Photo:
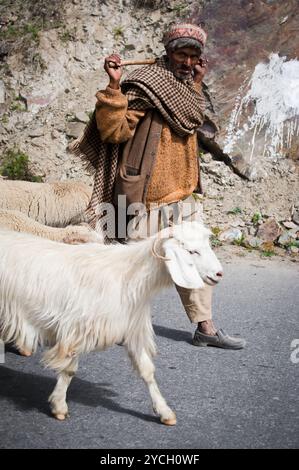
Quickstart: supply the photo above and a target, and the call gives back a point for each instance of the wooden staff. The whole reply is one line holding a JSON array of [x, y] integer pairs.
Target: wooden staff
[[132, 62], [203, 61]]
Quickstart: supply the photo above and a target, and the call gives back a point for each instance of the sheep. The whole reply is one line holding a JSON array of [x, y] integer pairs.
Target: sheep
[[56, 204], [73, 234], [82, 298]]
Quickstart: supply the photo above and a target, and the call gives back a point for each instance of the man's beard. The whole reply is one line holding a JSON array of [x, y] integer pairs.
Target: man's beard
[[186, 75], [181, 73]]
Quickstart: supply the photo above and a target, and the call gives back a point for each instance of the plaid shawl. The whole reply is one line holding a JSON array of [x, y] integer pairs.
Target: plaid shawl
[[152, 86], [179, 103]]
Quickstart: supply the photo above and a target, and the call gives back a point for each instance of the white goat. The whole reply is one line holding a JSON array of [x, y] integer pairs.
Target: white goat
[[57, 204], [77, 299], [74, 234]]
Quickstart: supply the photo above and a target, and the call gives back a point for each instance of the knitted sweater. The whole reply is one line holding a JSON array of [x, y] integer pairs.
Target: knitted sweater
[[175, 174]]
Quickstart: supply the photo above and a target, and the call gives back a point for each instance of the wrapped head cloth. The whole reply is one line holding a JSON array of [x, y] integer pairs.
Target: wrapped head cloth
[[185, 30]]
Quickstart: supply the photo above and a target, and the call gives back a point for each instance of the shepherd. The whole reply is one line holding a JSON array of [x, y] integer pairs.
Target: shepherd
[[142, 145]]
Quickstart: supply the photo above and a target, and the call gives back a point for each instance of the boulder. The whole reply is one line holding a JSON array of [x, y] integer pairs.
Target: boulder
[[2, 92], [75, 129], [269, 231], [295, 213], [290, 225], [36, 133], [254, 242], [231, 235], [81, 117], [35, 101]]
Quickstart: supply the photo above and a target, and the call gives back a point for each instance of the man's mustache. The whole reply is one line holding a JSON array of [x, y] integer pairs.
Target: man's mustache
[[184, 68]]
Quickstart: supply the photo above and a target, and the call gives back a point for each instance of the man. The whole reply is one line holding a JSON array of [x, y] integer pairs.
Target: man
[[147, 131]]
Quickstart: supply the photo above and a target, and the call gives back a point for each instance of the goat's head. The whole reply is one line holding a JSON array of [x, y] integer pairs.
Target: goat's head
[[189, 257]]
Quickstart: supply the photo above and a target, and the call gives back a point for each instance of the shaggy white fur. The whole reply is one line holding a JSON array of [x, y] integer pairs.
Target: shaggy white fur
[[87, 297]]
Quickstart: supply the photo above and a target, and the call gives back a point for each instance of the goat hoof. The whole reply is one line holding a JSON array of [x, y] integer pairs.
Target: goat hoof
[[61, 417], [25, 352], [169, 421]]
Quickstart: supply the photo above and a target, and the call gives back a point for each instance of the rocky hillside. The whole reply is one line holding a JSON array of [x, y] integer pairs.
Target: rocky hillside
[[51, 58]]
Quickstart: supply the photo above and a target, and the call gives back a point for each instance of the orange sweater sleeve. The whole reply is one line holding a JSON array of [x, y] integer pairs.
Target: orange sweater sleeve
[[115, 123]]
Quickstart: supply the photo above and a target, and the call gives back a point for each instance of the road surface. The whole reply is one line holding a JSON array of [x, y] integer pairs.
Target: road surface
[[223, 399]]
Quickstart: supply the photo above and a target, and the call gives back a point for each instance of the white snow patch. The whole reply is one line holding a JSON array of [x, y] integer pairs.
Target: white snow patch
[[273, 96]]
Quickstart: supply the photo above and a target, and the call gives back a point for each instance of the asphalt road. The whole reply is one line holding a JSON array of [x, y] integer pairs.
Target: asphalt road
[[223, 399]]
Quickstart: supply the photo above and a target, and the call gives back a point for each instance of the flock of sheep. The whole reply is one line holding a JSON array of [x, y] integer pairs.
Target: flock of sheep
[[81, 296], [49, 210]]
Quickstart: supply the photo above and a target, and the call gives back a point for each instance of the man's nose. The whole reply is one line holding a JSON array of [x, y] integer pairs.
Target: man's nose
[[187, 61]]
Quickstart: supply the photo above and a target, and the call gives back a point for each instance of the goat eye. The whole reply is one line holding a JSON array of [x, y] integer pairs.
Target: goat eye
[[194, 252]]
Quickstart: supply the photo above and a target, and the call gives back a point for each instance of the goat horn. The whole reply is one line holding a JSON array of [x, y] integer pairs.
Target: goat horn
[[154, 251]]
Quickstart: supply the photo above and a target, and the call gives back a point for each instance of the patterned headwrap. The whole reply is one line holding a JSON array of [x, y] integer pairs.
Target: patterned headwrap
[[185, 30]]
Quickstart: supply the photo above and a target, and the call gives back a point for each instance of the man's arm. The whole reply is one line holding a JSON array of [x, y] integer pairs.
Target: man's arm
[[115, 122]]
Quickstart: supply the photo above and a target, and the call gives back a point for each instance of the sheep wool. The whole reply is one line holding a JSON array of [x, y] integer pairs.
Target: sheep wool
[[72, 234], [56, 204]]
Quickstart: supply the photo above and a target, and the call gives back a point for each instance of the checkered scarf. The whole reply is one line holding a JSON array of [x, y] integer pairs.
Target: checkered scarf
[[101, 160], [152, 86], [179, 103]]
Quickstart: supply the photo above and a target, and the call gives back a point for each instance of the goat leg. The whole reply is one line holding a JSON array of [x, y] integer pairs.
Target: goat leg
[[146, 369], [57, 399]]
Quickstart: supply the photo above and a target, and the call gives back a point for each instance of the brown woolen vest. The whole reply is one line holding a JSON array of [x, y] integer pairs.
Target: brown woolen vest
[[137, 160]]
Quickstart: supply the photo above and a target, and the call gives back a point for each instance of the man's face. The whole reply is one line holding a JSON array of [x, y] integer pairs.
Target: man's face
[[182, 61]]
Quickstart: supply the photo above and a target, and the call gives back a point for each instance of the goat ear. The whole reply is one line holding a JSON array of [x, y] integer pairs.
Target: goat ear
[[181, 267]]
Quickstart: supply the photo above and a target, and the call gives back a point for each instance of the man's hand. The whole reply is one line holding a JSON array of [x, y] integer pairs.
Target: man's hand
[[114, 71], [200, 70]]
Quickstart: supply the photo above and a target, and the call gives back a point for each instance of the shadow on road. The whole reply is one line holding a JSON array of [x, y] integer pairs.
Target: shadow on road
[[11, 348], [30, 391], [171, 333]]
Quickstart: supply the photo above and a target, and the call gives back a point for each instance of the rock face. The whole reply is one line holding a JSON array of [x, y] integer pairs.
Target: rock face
[[250, 32], [242, 34], [51, 83]]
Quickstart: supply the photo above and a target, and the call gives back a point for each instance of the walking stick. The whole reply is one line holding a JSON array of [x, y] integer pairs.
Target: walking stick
[[132, 62]]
